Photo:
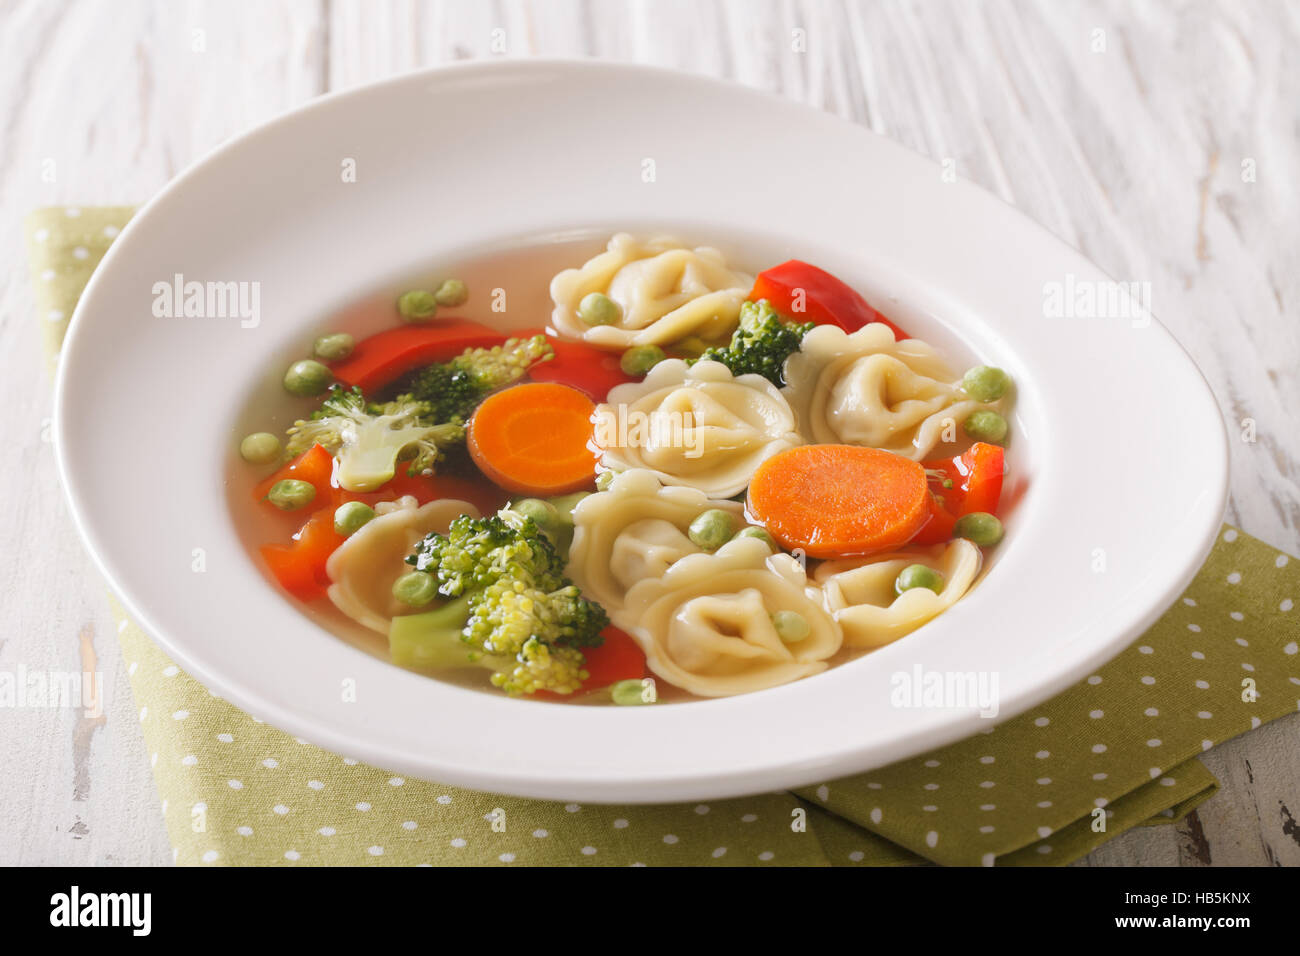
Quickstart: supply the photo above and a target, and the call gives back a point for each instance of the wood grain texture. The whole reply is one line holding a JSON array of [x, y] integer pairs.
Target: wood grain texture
[[1161, 139]]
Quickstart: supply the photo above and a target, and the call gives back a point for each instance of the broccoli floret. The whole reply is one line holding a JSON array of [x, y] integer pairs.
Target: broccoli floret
[[514, 611], [761, 344], [453, 389], [369, 439]]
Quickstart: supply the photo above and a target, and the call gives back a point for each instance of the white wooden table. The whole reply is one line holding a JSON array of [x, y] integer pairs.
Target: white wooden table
[[1161, 139]]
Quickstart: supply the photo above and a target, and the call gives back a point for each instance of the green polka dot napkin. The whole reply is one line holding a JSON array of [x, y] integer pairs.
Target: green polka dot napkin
[[1117, 750]]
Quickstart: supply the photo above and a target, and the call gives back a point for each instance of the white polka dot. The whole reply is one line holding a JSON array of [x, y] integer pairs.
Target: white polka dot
[[1230, 535], [931, 786], [1043, 754], [1291, 648], [410, 825], [572, 807], [823, 793], [291, 854], [1167, 781], [1044, 849], [1189, 602], [620, 824], [932, 764], [1097, 714], [315, 784], [444, 799], [588, 851], [873, 786], [244, 831], [857, 856], [81, 252], [987, 759], [1207, 744], [1254, 722], [1099, 748], [363, 806], [719, 852], [180, 715], [1204, 715], [1242, 642], [1281, 561], [986, 807], [40, 235], [930, 808], [1148, 680], [1237, 616], [1094, 680], [749, 818], [54, 315], [670, 838], [1248, 667], [1286, 605], [1144, 649], [1203, 685], [1043, 721], [189, 761], [48, 275], [375, 850], [1194, 628], [211, 856], [987, 829], [876, 815], [1151, 712], [235, 784], [507, 858], [702, 809], [1044, 804], [1154, 742], [932, 839], [541, 834], [987, 784], [396, 782], [327, 831], [988, 859], [1100, 802], [280, 808], [1155, 772], [766, 855], [1234, 577], [270, 763], [1044, 781], [458, 842], [111, 231], [350, 762], [1044, 832], [1197, 655], [1100, 776], [225, 738]]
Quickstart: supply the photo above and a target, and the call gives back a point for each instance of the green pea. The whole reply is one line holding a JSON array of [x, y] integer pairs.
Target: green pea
[[918, 576], [596, 308], [984, 383], [640, 359], [605, 479], [564, 504], [985, 425], [307, 377], [451, 293], [350, 516], [791, 626], [260, 448], [980, 528], [415, 589], [760, 533], [290, 494], [417, 305], [331, 348], [633, 692], [712, 529]]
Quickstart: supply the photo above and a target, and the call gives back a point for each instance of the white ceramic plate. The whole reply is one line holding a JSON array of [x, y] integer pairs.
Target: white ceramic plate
[[1119, 452]]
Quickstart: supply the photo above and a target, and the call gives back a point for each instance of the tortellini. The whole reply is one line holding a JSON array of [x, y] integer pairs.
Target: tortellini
[[665, 291], [859, 592], [695, 425], [865, 388], [363, 568], [632, 532], [706, 625]]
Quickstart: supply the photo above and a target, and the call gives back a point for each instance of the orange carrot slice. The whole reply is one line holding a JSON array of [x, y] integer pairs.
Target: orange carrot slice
[[839, 501], [534, 439]]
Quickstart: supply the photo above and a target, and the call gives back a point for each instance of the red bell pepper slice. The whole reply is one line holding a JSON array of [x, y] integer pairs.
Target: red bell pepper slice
[[300, 567], [386, 356], [823, 298], [976, 476], [590, 370]]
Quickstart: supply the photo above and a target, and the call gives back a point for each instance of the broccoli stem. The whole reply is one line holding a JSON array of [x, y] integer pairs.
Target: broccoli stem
[[432, 639]]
